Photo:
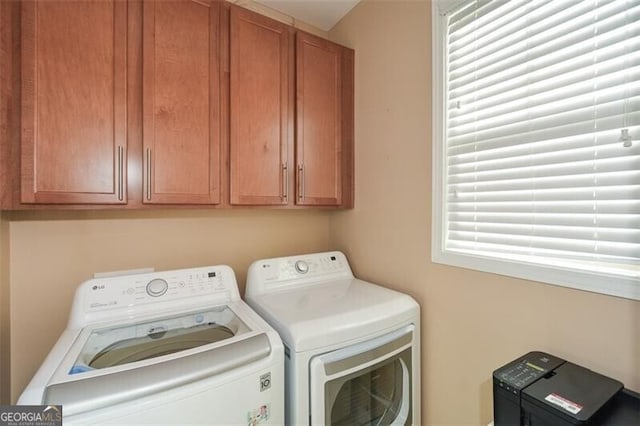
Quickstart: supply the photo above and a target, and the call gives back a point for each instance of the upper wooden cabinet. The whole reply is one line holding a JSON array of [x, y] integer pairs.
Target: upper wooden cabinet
[[74, 75], [261, 114], [188, 102], [266, 73], [181, 102], [324, 122]]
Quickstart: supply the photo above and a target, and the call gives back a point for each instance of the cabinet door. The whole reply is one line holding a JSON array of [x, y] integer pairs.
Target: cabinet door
[[260, 109], [320, 136], [181, 102], [74, 102]]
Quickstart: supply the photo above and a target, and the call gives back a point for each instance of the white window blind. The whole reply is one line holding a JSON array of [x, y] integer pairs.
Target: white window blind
[[541, 149]]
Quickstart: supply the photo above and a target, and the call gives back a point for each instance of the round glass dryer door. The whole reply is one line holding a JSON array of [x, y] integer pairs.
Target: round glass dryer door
[[366, 384], [377, 396]]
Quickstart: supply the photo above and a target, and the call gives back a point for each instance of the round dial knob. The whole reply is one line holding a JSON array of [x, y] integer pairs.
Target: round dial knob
[[302, 266], [157, 287]]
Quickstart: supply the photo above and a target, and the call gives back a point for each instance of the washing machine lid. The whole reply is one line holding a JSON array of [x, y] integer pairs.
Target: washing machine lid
[[332, 312], [122, 344], [120, 362]]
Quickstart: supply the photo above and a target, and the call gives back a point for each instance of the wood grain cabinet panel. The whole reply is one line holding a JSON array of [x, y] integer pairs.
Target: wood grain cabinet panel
[[324, 105], [223, 101], [181, 102], [261, 115], [74, 141]]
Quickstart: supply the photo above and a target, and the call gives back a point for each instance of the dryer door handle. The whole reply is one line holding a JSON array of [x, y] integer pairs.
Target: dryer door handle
[[365, 353]]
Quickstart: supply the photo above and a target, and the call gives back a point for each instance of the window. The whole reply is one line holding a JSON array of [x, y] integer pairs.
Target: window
[[537, 140]]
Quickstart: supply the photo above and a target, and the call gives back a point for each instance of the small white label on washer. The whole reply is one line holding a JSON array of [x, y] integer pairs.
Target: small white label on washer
[[258, 415], [570, 406]]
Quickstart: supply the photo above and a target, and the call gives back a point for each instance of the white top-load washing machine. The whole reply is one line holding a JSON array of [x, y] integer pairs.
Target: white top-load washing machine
[[352, 348], [171, 347]]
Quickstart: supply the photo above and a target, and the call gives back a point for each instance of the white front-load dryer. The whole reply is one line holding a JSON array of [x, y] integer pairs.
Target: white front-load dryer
[[352, 348], [174, 347]]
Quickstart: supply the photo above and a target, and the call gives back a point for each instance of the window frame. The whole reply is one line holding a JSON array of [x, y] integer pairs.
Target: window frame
[[603, 283]]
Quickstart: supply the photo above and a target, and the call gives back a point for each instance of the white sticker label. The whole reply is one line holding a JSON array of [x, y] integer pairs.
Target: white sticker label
[[570, 406], [259, 415]]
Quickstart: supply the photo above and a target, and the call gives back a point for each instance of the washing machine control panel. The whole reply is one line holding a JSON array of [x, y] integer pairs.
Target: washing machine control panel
[[301, 266], [157, 287], [133, 290]]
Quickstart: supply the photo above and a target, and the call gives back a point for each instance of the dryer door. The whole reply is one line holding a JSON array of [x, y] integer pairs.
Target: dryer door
[[364, 384]]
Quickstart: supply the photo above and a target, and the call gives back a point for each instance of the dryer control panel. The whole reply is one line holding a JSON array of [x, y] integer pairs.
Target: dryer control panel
[[282, 272], [104, 297]]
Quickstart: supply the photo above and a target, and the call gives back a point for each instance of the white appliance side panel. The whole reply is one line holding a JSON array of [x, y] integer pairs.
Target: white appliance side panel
[[416, 357], [297, 389]]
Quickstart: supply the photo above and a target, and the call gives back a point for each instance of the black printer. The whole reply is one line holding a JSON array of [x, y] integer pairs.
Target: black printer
[[539, 389]]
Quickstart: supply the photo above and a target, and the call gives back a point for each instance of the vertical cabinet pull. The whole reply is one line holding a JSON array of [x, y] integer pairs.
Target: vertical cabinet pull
[[149, 174], [120, 173], [300, 181], [285, 181]]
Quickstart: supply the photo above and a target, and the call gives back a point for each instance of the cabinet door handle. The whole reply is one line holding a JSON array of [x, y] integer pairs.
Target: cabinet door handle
[[120, 172], [300, 181], [285, 181], [149, 174]]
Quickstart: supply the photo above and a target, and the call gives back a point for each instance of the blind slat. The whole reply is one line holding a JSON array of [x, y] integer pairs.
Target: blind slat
[[552, 115], [570, 88], [614, 150], [620, 221], [605, 206], [583, 233], [540, 252], [568, 182], [593, 142], [499, 139], [575, 194], [472, 152]]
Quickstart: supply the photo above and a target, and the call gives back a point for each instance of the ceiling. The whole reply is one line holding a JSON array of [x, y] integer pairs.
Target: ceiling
[[323, 14]]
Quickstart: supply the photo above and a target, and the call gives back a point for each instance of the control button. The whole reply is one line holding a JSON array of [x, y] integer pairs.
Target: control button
[[130, 290], [157, 287], [302, 267]]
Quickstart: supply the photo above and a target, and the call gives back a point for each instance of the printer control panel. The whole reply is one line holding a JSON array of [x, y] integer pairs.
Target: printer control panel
[[519, 374], [541, 389]]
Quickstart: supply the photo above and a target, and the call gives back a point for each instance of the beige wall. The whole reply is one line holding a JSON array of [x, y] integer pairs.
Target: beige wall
[[472, 322], [4, 311], [52, 253]]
